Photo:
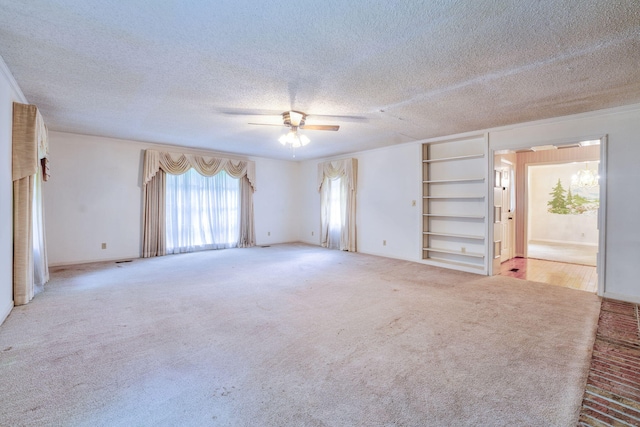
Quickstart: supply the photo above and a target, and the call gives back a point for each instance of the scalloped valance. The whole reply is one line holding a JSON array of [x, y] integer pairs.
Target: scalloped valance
[[30, 141], [178, 163], [348, 168]]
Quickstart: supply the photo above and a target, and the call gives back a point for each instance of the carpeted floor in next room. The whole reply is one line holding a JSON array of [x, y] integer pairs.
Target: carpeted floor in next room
[[294, 335]]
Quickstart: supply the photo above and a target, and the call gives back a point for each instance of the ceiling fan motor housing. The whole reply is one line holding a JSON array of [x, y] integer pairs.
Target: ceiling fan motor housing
[[294, 118]]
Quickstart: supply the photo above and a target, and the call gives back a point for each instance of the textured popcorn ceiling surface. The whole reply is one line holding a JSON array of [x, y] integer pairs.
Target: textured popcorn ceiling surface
[[189, 73]]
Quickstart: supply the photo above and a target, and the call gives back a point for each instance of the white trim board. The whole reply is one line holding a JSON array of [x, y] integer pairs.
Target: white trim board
[[12, 81], [4, 313], [562, 242]]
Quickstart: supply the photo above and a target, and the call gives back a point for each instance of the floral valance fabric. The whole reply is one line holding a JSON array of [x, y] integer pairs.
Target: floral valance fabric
[[178, 163], [348, 168], [30, 141]]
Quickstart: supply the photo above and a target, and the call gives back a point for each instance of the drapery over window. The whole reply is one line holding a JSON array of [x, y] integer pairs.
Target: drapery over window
[[347, 172], [29, 168], [158, 163]]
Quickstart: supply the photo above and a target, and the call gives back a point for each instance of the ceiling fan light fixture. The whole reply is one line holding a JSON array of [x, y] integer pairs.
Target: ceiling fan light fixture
[[294, 139]]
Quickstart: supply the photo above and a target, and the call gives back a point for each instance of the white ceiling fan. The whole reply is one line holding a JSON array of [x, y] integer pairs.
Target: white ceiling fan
[[296, 120]]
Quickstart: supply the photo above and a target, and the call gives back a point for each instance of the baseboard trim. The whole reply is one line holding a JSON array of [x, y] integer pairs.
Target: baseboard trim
[[562, 242], [308, 242], [622, 297], [62, 264], [4, 313]]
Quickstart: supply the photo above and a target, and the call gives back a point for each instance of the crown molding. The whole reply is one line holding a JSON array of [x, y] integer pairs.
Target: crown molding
[[4, 70]]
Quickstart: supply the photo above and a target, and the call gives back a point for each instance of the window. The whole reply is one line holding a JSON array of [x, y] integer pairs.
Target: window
[[336, 209], [202, 212], [337, 187]]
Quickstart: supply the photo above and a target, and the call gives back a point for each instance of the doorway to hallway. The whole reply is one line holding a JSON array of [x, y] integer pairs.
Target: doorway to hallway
[[551, 226]]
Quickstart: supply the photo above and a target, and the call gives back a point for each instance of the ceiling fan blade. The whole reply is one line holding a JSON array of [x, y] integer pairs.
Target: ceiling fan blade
[[341, 118], [267, 124], [320, 127], [250, 112]]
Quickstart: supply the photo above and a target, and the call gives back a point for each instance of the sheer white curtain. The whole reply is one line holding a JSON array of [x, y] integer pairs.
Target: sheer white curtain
[[202, 212], [40, 264], [337, 182], [335, 207], [158, 168]]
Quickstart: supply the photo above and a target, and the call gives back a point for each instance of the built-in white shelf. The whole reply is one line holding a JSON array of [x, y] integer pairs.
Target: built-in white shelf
[[461, 236], [457, 171], [451, 181], [451, 252], [467, 266], [448, 159], [455, 216], [454, 197]]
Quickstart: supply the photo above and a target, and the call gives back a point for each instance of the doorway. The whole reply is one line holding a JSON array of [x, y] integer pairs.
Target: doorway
[[562, 212], [522, 238]]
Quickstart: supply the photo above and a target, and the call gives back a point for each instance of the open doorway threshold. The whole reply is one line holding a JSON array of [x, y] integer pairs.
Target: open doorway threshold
[[574, 276]]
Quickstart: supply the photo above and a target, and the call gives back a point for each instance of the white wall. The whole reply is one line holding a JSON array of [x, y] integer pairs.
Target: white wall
[[275, 208], [9, 92], [308, 203], [94, 196], [388, 182]]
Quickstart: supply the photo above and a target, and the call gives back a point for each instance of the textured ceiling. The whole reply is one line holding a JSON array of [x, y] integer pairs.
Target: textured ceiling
[[189, 73]]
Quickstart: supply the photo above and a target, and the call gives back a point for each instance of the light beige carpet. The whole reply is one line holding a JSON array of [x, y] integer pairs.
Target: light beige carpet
[[293, 335]]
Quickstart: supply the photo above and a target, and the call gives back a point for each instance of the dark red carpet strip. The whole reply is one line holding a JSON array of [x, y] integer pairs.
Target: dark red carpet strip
[[612, 395]]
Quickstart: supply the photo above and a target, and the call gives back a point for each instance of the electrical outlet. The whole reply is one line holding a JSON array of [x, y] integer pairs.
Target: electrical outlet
[[384, 243], [104, 246], [268, 233], [312, 233], [413, 203]]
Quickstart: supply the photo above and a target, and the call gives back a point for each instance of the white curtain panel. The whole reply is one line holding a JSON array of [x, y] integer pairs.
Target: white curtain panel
[[202, 212], [337, 184], [40, 263]]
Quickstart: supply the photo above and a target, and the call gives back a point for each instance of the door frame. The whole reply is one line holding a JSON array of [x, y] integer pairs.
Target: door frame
[[602, 210], [510, 167]]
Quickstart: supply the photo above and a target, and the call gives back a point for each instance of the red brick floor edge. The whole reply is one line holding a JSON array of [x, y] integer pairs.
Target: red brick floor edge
[[612, 395]]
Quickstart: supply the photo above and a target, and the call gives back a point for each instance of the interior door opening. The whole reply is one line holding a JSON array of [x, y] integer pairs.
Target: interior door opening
[[562, 212], [547, 214]]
